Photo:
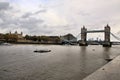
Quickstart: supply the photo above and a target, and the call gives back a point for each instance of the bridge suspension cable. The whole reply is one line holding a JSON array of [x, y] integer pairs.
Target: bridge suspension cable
[[78, 36], [115, 36]]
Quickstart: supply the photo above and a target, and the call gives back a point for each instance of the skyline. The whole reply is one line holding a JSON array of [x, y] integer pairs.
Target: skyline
[[55, 17]]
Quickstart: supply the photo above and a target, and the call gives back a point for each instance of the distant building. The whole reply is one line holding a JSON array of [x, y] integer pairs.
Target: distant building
[[19, 35], [2, 37], [68, 37], [50, 39]]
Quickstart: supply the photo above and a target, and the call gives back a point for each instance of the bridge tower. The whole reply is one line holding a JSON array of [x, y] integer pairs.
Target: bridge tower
[[107, 42], [83, 41]]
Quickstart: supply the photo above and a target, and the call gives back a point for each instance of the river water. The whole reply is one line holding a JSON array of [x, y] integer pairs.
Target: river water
[[64, 62]]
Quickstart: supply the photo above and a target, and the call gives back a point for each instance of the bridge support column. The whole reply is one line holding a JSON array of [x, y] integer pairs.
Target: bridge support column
[[83, 41], [107, 42]]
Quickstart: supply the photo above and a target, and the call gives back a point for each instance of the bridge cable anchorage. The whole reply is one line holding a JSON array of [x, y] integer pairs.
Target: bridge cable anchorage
[[115, 36]]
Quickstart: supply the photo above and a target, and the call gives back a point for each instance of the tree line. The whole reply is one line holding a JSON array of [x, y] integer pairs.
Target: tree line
[[9, 37], [43, 38], [13, 38]]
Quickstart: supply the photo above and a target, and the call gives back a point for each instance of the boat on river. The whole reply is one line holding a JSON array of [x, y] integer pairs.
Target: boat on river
[[42, 51]]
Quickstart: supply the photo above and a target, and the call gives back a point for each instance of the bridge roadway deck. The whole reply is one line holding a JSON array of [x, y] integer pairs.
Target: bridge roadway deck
[[95, 31], [110, 71]]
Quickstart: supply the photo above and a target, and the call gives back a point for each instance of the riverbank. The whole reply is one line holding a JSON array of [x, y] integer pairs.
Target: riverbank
[[111, 71], [36, 43]]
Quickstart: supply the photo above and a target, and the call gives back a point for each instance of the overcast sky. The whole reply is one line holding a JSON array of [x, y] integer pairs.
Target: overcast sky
[[58, 17]]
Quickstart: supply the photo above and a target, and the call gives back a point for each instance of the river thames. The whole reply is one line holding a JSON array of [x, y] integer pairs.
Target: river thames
[[64, 62]]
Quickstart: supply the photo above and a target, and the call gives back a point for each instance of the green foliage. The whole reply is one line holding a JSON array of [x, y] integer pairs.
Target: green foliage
[[9, 37], [42, 38]]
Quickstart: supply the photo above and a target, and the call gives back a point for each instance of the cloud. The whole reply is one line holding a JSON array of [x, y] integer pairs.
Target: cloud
[[4, 5], [40, 11], [1, 21], [57, 17], [26, 15]]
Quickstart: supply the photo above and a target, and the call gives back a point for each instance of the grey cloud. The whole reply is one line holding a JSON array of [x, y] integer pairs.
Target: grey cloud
[[27, 22], [31, 21], [40, 11], [31, 24], [26, 15], [93, 16], [4, 5], [40, 31]]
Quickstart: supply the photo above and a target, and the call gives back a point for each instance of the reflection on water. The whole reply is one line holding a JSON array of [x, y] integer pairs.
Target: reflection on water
[[106, 53], [19, 62]]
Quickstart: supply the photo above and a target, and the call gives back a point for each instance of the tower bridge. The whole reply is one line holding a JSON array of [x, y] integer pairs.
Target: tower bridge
[[106, 32]]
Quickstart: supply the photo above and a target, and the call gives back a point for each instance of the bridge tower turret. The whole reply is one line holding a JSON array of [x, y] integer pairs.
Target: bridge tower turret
[[107, 33], [83, 41], [107, 42]]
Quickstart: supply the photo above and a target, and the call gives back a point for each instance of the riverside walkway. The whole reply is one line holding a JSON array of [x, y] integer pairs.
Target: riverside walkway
[[110, 71]]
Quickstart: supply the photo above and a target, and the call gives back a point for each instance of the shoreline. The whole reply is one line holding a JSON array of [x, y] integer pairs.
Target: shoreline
[[35, 43]]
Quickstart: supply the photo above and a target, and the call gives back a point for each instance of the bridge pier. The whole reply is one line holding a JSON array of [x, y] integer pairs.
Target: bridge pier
[[83, 43], [107, 44]]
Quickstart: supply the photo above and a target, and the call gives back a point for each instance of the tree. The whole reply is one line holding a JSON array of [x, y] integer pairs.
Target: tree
[[27, 37], [10, 37]]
